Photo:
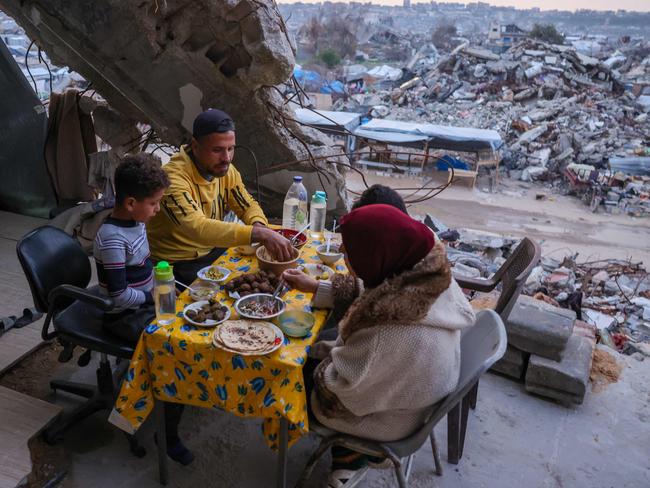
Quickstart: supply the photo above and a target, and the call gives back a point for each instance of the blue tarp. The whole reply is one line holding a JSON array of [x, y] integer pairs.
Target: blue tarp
[[447, 161], [333, 87], [306, 76]]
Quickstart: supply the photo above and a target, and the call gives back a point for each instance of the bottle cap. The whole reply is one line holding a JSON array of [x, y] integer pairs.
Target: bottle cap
[[319, 197], [297, 179], [163, 271]]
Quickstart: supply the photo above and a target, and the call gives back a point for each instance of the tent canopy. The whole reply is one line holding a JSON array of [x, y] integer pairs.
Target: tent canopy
[[438, 136], [328, 119]]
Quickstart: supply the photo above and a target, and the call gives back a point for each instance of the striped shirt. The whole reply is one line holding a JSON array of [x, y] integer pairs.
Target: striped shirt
[[124, 269]]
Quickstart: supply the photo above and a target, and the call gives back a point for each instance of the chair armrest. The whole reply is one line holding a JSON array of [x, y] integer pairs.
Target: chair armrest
[[70, 291], [476, 284]]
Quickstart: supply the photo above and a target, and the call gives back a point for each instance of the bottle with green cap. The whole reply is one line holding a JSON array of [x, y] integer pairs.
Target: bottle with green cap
[[317, 214], [164, 293]]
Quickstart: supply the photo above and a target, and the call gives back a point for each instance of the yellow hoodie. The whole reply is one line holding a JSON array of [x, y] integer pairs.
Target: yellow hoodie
[[189, 223]]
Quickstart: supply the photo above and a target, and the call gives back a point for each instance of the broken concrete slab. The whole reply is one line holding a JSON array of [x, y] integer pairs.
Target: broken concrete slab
[[539, 328], [566, 380], [512, 364], [162, 63]]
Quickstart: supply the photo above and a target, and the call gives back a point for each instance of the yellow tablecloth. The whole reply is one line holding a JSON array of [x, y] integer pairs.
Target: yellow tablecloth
[[178, 363]]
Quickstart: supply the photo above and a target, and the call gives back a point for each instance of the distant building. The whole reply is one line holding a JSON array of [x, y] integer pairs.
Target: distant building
[[502, 36], [407, 3]]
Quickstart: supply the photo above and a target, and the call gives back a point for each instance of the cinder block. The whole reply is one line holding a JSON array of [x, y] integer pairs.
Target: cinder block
[[566, 380], [513, 363], [539, 328]]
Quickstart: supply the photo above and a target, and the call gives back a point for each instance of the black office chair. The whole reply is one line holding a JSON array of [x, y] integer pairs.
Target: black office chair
[[58, 272]]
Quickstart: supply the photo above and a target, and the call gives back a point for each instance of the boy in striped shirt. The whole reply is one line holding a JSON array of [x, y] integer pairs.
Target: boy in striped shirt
[[124, 269]]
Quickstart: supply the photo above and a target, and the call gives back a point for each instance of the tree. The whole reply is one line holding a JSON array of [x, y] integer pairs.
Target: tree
[[547, 33], [329, 57], [443, 34]]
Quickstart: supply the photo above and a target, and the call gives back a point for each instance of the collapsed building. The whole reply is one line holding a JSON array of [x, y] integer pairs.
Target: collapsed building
[[554, 107], [158, 64]]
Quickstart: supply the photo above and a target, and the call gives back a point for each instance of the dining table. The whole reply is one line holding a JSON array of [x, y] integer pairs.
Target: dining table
[[179, 363]]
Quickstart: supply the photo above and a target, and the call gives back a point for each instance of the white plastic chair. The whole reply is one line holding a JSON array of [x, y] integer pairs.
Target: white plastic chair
[[481, 346]]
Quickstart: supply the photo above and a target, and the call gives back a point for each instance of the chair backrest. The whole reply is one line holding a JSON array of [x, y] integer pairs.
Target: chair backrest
[[481, 346], [49, 258], [514, 273]]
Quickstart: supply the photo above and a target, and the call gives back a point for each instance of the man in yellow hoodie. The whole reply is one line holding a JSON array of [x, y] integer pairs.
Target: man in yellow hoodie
[[189, 231]]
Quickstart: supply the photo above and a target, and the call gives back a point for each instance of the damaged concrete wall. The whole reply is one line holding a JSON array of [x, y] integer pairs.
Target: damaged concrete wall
[[163, 61]]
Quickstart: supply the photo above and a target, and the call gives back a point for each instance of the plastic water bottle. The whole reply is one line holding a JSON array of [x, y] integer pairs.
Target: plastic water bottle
[[294, 212], [164, 293], [317, 214]]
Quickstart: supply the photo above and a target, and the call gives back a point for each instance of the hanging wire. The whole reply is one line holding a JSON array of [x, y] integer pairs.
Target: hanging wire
[[281, 118], [42, 60], [29, 70], [257, 171]]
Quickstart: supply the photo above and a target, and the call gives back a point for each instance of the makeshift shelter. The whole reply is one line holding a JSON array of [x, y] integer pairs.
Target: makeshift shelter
[[379, 133], [337, 124]]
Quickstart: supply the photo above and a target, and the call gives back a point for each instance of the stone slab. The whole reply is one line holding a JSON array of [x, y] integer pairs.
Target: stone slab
[[566, 380], [539, 328], [512, 364]]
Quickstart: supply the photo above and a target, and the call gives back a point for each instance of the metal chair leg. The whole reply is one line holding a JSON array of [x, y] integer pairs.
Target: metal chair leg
[[464, 414], [313, 460], [409, 466], [401, 481], [453, 434], [473, 396], [436, 454]]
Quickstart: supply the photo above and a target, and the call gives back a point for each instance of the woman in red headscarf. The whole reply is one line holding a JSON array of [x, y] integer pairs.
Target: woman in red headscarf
[[398, 350]]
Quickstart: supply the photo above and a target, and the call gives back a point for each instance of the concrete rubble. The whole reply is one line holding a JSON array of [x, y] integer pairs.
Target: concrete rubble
[[552, 105], [161, 63], [566, 307]]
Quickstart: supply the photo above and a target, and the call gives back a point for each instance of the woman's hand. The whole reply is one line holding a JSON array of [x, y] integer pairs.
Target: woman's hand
[[300, 281]]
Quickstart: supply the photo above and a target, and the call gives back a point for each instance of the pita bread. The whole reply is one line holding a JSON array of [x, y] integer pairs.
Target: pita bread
[[246, 336]]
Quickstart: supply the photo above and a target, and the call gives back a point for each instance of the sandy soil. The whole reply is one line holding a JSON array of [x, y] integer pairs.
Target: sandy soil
[[564, 225]]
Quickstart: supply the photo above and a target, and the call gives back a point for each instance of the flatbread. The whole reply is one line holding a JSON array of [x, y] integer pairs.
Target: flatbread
[[246, 336]]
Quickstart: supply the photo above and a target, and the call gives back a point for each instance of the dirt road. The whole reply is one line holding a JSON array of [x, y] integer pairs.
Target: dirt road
[[563, 225]]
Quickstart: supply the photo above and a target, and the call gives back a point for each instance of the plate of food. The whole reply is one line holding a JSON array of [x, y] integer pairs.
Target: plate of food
[[206, 313], [215, 274], [259, 306], [250, 283], [247, 337], [203, 292], [317, 271]]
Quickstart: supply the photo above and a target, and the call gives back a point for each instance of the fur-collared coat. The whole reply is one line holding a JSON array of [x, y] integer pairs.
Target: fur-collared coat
[[398, 352]]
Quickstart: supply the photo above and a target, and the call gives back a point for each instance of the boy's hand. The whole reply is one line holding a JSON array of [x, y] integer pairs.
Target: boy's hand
[[300, 281]]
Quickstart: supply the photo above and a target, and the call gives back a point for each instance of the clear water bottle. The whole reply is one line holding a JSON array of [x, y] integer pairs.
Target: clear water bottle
[[164, 293], [317, 214], [294, 212]]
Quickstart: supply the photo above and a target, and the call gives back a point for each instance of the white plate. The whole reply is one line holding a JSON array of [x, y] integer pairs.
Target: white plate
[[278, 334], [316, 270], [208, 322], [202, 274]]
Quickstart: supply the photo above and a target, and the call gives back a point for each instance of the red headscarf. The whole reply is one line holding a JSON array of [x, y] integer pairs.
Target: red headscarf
[[382, 241]]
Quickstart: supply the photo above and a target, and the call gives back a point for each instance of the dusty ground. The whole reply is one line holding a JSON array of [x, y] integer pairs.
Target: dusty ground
[[564, 224]]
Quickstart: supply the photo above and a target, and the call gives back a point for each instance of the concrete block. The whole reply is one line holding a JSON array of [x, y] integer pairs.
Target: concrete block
[[566, 380], [513, 363], [539, 328]]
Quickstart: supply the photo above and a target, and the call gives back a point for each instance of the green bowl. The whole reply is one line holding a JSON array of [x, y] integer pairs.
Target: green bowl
[[295, 323]]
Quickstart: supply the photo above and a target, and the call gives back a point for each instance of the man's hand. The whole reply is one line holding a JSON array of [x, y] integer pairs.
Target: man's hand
[[300, 281], [277, 245]]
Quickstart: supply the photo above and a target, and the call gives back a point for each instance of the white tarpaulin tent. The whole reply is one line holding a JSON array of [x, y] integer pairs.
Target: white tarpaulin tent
[[385, 72], [437, 136]]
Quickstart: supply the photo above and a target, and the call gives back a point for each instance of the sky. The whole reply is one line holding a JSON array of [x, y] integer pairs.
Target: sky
[[639, 5]]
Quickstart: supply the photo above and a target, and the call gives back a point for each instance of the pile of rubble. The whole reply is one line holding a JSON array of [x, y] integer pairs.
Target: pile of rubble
[[552, 105], [613, 295], [565, 308]]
